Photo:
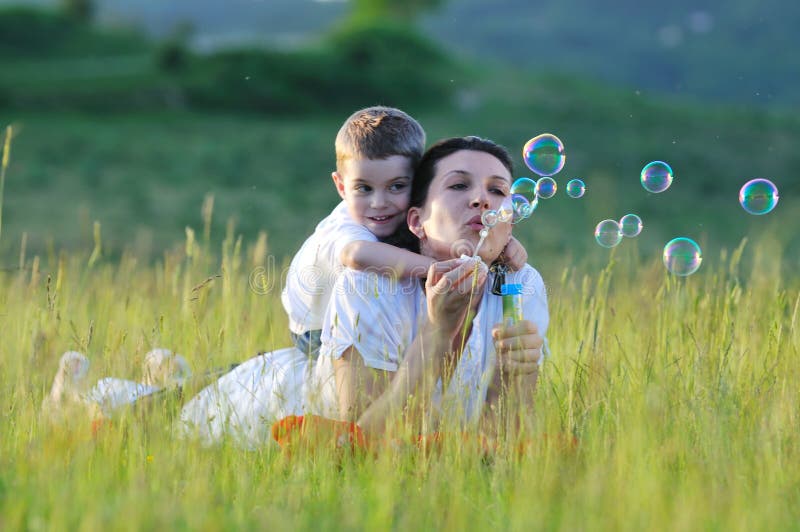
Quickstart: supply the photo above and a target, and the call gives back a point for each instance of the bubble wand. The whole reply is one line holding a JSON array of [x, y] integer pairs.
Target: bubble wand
[[513, 210]]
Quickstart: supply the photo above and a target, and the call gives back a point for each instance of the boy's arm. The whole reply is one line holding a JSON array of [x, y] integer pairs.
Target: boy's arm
[[384, 258], [516, 256]]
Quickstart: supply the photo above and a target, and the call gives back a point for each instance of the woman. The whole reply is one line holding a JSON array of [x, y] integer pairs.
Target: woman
[[398, 345]]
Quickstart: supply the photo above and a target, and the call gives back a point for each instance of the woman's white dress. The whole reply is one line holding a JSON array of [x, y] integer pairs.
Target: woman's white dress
[[112, 394], [379, 317]]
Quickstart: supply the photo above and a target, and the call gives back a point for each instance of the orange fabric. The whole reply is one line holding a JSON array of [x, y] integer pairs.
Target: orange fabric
[[99, 425], [310, 429]]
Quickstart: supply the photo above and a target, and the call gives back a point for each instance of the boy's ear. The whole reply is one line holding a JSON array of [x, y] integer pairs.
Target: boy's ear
[[338, 180], [414, 221]]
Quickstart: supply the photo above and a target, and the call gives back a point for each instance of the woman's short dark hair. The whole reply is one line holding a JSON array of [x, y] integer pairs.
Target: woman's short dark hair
[[426, 169]]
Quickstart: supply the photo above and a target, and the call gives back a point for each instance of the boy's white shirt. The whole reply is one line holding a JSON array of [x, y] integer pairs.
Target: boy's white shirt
[[315, 268]]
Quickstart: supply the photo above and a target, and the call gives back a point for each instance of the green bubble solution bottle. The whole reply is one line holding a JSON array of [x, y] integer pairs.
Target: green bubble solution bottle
[[512, 303]]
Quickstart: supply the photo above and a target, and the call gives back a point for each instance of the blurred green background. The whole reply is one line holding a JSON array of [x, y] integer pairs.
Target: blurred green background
[[130, 113]]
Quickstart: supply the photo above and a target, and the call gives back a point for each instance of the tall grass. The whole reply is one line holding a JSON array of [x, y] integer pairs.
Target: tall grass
[[3, 167], [683, 394]]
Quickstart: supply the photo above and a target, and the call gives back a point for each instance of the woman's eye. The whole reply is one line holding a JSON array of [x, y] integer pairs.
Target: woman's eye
[[499, 191], [458, 186]]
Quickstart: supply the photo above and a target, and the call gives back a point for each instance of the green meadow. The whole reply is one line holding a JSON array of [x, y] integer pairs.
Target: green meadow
[[682, 393], [155, 198]]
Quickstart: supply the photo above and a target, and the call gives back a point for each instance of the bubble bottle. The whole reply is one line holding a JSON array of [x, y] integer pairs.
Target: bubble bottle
[[512, 303]]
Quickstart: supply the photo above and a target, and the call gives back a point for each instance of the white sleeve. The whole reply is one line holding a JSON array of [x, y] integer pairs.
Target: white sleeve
[[348, 231], [372, 313]]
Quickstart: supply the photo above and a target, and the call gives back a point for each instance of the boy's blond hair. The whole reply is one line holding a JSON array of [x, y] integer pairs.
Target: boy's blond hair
[[377, 133]]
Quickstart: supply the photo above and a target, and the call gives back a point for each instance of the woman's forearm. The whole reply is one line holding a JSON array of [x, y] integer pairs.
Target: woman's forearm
[[414, 381]]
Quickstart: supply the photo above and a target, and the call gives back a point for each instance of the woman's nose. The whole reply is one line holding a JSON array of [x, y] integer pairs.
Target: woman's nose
[[481, 200]]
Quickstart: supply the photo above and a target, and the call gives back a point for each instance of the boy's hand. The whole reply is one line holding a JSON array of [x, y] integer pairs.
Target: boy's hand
[[516, 256]]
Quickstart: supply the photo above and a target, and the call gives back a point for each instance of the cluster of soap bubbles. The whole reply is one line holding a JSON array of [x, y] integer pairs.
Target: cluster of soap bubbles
[[757, 196], [516, 207], [545, 156], [682, 256], [609, 233]]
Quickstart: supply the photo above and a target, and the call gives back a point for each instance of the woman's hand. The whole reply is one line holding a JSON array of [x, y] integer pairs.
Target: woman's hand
[[519, 348], [451, 287]]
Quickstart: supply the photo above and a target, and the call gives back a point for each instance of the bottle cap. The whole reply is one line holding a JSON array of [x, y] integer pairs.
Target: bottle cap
[[511, 289]]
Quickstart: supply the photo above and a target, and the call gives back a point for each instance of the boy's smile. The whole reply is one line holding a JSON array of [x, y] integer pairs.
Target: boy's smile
[[376, 191]]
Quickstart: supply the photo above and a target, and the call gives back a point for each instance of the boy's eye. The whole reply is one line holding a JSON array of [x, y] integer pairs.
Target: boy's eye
[[397, 187], [363, 188]]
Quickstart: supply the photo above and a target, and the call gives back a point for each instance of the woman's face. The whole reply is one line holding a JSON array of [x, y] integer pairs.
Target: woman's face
[[466, 183]]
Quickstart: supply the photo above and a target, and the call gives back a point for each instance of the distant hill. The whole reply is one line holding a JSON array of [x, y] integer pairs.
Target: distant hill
[[737, 51]]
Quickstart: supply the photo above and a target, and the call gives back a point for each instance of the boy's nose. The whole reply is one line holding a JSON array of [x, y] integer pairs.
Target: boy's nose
[[378, 200]]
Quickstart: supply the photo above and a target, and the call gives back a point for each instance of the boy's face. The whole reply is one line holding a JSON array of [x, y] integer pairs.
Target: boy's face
[[376, 191]]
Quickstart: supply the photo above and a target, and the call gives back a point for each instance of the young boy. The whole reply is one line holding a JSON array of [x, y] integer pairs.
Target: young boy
[[377, 149]]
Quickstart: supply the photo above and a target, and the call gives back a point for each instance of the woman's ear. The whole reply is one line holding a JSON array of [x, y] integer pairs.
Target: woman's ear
[[414, 221]]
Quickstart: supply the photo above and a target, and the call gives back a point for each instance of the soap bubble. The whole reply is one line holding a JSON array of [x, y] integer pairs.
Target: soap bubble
[[682, 256], [544, 154], [758, 196], [532, 205], [546, 187], [631, 225], [608, 233], [521, 207], [656, 176], [576, 188], [506, 211], [489, 218], [525, 186]]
